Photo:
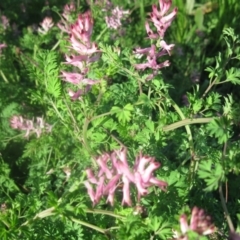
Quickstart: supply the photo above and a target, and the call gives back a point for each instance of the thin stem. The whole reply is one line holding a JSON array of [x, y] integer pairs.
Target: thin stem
[[71, 115], [225, 81], [112, 228], [101, 230], [188, 130], [229, 220], [4, 77], [101, 115], [193, 164], [7, 193], [46, 213], [226, 195], [223, 202], [209, 88], [115, 138], [99, 211], [5, 223], [100, 35], [48, 159], [56, 110], [186, 121], [56, 45]]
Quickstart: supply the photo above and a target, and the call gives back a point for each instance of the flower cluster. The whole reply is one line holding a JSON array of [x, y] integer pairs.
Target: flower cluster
[[2, 45], [114, 20], [87, 53], [234, 236], [18, 122], [161, 22], [199, 223], [114, 172], [45, 25], [64, 24], [4, 22]]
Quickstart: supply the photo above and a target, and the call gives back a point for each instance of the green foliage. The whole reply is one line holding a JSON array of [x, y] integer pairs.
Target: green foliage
[[48, 73], [212, 173], [220, 129], [123, 115], [186, 118]]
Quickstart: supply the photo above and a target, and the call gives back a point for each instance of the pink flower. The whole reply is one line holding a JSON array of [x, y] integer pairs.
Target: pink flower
[[2, 46], [83, 48], [147, 174], [114, 171], [126, 191], [166, 47], [114, 21], [67, 10], [150, 32], [234, 236], [87, 52], [19, 123], [46, 25], [152, 56], [140, 185], [77, 95], [82, 29], [65, 23], [160, 21], [4, 22], [199, 223], [81, 60], [90, 191], [102, 161], [77, 78]]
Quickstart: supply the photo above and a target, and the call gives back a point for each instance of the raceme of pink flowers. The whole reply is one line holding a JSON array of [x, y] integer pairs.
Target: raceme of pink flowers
[[64, 24], [114, 173], [4, 22], [200, 223], [2, 45], [30, 126], [86, 52], [161, 21], [114, 20], [46, 25]]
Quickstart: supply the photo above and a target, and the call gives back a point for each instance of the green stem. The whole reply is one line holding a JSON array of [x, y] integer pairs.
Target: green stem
[[225, 81], [209, 88], [4, 77], [84, 133], [99, 211], [71, 115], [46, 213], [5, 223], [229, 220], [56, 45], [115, 138], [223, 202], [188, 130], [193, 164], [56, 110], [101, 230], [186, 121], [100, 35], [48, 159]]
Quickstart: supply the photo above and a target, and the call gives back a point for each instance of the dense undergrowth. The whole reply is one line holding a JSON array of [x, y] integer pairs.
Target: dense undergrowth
[[119, 119]]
